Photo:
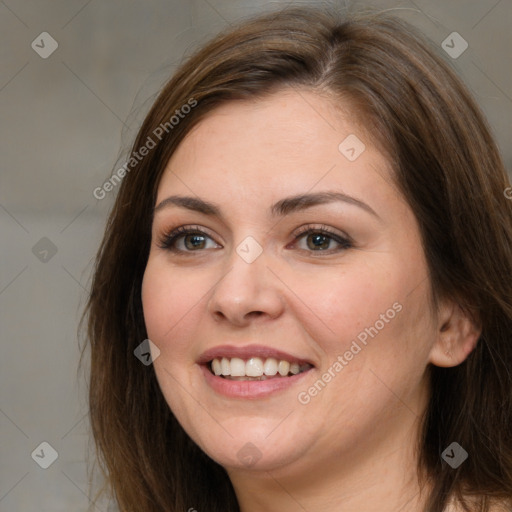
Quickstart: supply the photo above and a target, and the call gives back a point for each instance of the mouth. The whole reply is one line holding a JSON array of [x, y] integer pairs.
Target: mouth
[[255, 368], [252, 371]]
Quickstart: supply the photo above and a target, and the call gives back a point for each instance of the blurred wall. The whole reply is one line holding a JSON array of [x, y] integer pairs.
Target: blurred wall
[[62, 119]]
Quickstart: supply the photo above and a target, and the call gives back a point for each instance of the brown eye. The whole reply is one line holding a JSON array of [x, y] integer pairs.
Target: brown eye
[[322, 239], [318, 241], [194, 240]]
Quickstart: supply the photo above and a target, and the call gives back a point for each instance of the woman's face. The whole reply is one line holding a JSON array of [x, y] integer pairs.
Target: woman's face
[[346, 305]]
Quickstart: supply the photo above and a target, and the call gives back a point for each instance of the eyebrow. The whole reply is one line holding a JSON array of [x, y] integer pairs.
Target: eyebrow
[[281, 208]]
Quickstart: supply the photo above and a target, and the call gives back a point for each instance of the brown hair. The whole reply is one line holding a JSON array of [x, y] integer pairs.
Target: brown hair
[[448, 168]]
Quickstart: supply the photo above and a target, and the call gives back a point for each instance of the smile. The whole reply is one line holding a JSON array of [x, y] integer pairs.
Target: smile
[[252, 371], [255, 368]]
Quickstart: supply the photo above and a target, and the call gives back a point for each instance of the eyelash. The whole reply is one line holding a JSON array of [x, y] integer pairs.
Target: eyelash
[[168, 240]]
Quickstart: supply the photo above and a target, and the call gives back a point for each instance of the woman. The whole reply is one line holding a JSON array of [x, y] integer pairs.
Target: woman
[[312, 246]]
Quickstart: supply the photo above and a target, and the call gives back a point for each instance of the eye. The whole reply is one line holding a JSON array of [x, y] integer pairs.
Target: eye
[[193, 239], [319, 239], [188, 239]]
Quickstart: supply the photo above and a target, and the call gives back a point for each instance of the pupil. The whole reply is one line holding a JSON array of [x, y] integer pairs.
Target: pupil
[[319, 238], [197, 240]]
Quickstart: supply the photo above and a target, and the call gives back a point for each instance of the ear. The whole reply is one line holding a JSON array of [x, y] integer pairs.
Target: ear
[[457, 336]]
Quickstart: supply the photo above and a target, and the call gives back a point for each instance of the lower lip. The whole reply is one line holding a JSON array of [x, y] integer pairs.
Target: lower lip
[[250, 389]]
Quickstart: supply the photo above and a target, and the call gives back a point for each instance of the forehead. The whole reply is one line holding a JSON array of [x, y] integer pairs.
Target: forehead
[[288, 142]]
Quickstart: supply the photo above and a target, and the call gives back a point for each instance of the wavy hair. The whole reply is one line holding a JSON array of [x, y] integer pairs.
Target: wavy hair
[[445, 163]]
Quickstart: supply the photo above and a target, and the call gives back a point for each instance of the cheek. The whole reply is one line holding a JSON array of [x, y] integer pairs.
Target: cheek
[[373, 315], [170, 299], [346, 302], [375, 344]]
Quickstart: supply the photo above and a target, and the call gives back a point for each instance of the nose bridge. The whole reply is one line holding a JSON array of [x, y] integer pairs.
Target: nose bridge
[[247, 286]]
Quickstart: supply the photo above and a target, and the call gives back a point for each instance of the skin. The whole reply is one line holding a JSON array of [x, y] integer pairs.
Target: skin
[[352, 446]]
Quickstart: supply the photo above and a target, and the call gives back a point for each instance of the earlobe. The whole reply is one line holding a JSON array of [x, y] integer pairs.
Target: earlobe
[[457, 337]]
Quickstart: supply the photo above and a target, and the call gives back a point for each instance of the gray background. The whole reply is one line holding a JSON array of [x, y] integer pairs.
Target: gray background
[[66, 121]]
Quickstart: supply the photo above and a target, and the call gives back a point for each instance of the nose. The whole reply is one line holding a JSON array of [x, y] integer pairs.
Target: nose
[[246, 292]]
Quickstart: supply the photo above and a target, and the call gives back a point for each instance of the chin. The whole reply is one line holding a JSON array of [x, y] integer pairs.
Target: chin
[[252, 444], [253, 457]]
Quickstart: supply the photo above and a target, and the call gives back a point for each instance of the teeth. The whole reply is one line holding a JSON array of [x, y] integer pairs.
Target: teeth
[[255, 368], [270, 366], [283, 368], [217, 367], [237, 367], [225, 366]]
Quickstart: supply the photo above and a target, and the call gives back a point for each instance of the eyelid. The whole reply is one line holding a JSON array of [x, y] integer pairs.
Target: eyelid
[[343, 240], [321, 228], [168, 239]]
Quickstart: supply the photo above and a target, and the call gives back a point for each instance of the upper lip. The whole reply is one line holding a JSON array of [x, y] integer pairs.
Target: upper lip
[[248, 351]]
